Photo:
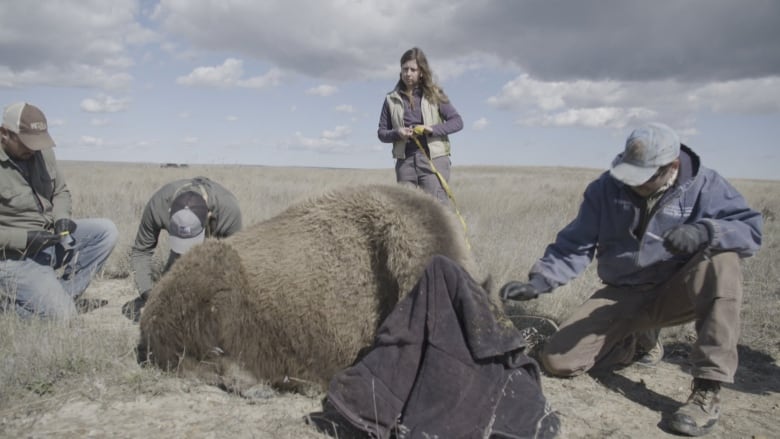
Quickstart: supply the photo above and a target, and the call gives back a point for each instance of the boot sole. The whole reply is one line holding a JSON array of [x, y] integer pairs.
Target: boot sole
[[680, 426]]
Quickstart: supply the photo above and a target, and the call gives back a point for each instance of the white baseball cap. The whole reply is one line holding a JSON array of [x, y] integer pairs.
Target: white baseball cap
[[187, 227], [29, 123]]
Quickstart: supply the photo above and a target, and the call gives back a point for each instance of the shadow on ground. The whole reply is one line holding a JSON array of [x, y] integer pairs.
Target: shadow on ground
[[758, 372], [640, 394]]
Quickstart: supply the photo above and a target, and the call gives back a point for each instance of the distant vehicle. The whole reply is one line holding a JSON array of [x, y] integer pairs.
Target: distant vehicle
[[174, 165]]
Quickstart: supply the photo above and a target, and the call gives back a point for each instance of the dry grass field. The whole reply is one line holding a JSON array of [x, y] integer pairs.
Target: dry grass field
[[80, 379]]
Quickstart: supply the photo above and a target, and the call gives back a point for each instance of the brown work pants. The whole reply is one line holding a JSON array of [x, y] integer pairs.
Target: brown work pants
[[602, 333]]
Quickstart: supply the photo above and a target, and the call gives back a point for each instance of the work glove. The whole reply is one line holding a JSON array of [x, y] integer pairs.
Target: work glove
[[686, 239], [172, 257], [132, 309], [38, 240], [64, 225], [516, 290]]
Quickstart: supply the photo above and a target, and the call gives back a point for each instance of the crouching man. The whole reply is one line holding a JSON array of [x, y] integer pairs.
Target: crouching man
[[190, 210], [47, 259], [668, 235]]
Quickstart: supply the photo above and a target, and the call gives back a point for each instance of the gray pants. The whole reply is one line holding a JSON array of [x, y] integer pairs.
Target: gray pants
[[602, 332], [416, 170]]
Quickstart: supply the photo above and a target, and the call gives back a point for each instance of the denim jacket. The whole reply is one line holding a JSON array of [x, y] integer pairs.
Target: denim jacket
[[608, 226]]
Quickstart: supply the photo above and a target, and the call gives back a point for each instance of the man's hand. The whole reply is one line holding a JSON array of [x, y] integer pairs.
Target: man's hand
[[516, 290], [64, 225], [686, 239], [38, 240], [132, 309]]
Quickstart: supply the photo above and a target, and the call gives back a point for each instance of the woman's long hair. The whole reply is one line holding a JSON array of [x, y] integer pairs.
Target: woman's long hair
[[430, 89]]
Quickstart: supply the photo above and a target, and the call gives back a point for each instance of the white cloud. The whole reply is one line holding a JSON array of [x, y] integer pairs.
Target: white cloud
[[231, 118], [225, 75], [345, 108], [229, 74], [99, 122], [329, 141], [619, 104], [337, 133], [91, 141], [92, 42], [70, 43], [554, 95], [190, 140], [344, 40], [104, 104], [322, 90], [74, 75], [611, 117], [480, 124], [748, 96], [448, 68], [270, 79], [336, 40], [320, 144]]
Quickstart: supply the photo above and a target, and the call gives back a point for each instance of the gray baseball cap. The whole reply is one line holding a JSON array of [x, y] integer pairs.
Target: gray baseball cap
[[187, 228], [29, 123], [647, 148]]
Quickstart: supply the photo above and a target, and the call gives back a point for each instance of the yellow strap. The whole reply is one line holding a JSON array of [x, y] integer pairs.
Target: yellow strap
[[419, 130]]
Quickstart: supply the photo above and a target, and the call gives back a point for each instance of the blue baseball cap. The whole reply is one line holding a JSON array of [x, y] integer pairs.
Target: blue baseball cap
[[647, 149]]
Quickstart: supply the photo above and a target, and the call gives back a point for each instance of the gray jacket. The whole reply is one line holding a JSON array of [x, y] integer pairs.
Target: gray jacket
[[225, 220], [32, 203]]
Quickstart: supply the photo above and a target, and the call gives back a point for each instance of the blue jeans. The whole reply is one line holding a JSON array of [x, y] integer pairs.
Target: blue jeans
[[48, 284]]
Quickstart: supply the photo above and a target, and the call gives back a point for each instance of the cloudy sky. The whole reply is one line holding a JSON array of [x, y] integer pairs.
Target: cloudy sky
[[301, 82]]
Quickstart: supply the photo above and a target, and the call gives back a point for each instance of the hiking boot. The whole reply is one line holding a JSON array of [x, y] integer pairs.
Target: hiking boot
[[651, 357], [700, 413]]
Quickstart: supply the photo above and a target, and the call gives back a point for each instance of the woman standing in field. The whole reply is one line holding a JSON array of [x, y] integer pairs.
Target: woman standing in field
[[418, 102]]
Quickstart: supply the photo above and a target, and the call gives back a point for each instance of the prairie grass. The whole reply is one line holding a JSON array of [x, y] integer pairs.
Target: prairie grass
[[512, 214]]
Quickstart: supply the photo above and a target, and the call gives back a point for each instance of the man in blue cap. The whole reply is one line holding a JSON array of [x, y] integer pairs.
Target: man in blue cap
[[668, 235]]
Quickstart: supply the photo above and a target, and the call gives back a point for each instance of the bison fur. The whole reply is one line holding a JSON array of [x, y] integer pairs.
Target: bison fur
[[293, 299]]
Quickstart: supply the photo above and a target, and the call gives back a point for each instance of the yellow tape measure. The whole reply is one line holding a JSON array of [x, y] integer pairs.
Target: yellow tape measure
[[419, 130]]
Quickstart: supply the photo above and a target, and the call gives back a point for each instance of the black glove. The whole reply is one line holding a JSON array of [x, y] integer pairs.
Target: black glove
[[686, 239], [64, 225], [132, 309], [38, 240], [516, 290]]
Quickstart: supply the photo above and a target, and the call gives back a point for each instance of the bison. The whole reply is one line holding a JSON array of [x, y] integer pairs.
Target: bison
[[293, 299]]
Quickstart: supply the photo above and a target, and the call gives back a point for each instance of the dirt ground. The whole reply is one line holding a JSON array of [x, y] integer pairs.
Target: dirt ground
[[631, 403]]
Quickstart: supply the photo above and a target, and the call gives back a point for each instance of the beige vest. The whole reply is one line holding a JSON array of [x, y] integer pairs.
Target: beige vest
[[438, 145]]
